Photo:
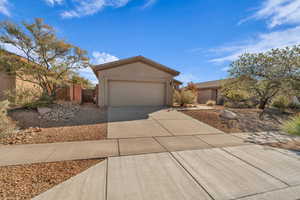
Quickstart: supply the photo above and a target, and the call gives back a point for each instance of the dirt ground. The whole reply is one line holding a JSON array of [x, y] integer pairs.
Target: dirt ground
[[26, 181], [90, 123]]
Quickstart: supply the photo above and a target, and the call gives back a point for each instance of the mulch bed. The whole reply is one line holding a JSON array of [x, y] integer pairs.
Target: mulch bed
[[26, 181]]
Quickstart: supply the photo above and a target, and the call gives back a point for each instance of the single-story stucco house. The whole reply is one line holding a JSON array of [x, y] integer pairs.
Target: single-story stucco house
[[135, 81], [209, 90]]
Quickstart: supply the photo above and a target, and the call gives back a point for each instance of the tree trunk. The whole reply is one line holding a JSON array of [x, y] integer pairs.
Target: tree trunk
[[262, 104]]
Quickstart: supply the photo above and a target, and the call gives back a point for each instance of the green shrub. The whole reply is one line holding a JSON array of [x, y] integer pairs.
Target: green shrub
[[281, 103], [294, 106], [244, 104], [211, 103], [184, 97], [6, 127], [292, 126], [43, 101]]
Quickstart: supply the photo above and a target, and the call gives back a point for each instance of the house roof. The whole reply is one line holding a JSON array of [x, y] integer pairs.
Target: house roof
[[209, 84], [177, 82], [133, 60]]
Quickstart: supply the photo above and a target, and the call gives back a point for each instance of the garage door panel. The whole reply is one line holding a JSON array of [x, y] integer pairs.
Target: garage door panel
[[136, 93]]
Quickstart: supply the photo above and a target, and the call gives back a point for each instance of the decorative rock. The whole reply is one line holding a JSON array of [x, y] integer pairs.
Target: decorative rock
[[43, 110], [228, 114], [61, 112]]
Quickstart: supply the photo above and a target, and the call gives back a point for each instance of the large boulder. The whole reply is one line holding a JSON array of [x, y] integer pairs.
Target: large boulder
[[228, 115]]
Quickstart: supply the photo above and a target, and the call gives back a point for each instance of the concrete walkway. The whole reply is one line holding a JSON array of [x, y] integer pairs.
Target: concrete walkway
[[244, 172], [131, 131], [37, 153]]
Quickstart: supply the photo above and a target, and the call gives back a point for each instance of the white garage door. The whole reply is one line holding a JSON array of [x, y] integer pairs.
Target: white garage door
[[130, 93]]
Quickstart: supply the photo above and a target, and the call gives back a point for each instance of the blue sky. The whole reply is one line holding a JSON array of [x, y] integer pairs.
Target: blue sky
[[199, 38]]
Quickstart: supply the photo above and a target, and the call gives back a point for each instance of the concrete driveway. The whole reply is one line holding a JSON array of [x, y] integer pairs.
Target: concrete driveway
[[134, 122], [247, 172]]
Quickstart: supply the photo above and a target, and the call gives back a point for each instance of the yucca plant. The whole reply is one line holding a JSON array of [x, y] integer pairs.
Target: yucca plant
[[292, 126]]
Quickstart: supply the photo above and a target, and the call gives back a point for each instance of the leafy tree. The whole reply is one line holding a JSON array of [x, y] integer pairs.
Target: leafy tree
[[265, 75], [192, 86], [48, 61], [85, 83]]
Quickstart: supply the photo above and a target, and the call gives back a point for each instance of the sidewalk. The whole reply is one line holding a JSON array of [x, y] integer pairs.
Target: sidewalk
[[52, 152], [242, 172]]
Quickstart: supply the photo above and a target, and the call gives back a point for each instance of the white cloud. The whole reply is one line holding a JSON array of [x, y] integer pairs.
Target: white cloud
[[97, 58], [4, 7], [53, 2], [90, 7], [149, 3], [261, 43], [187, 77], [102, 57], [278, 12], [88, 74]]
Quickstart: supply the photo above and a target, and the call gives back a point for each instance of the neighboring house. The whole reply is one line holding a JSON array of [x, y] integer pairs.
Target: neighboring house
[[135, 81], [177, 84], [209, 90]]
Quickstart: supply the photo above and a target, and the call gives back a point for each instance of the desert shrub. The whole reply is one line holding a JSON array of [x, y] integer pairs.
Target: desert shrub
[[187, 97], [177, 97], [292, 126], [183, 97], [6, 127], [294, 106], [43, 101], [192, 87], [210, 103], [281, 103], [242, 104]]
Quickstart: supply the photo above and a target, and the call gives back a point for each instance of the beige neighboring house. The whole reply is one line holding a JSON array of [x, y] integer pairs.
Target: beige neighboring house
[[209, 90], [135, 81]]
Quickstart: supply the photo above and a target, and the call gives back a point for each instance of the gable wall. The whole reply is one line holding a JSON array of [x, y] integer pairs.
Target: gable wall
[[134, 71]]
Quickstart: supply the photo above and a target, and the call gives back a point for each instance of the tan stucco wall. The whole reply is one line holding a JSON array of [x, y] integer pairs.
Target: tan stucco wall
[[209, 94], [12, 83], [6, 83], [137, 72], [206, 94]]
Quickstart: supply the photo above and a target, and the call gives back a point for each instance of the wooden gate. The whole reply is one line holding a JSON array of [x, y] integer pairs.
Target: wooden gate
[[88, 95]]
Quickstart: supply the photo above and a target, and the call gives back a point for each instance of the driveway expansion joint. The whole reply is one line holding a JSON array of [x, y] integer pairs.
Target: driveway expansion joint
[[223, 149]]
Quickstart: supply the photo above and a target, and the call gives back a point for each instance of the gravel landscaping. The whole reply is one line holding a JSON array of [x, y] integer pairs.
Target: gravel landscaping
[[78, 123], [247, 120], [264, 131], [22, 182]]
